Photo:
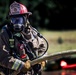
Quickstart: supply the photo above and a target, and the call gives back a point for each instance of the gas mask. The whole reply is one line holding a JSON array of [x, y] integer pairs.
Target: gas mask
[[18, 23]]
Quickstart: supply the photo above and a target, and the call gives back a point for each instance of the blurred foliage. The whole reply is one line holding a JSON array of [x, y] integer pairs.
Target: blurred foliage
[[3, 10], [49, 14]]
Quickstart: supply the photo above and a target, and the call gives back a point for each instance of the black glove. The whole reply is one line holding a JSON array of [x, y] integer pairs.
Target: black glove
[[36, 68]]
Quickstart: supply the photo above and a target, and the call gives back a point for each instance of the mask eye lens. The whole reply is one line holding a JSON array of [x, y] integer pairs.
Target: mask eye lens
[[17, 20]]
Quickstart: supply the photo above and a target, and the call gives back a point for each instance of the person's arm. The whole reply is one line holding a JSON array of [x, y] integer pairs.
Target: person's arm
[[8, 61]]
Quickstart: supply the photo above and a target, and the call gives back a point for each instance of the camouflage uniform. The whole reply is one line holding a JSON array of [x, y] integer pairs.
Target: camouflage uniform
[[16, 48], [19, 42]]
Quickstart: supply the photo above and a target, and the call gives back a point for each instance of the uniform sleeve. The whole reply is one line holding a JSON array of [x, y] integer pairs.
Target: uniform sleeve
[[6, 60], [42, 45]]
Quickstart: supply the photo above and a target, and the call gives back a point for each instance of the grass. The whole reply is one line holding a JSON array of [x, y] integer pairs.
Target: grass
[[60, 40]]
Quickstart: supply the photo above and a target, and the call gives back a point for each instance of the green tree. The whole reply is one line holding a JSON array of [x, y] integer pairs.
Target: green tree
[[3, 10]]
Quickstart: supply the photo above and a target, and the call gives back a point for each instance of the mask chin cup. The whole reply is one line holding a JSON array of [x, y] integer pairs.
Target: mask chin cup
[[18, 27]]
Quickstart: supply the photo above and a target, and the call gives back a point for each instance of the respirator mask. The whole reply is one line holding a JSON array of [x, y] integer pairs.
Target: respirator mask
[[18, 23]]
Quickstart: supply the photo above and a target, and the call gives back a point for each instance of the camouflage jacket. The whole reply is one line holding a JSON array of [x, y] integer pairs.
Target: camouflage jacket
[[29, 44]]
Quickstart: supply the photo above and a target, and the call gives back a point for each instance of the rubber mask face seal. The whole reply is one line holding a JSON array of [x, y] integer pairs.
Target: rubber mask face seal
[[18, 23]]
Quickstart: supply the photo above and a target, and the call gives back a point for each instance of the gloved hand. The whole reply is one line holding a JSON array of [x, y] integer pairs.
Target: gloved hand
[[27, 66], [43, 63], [38, 67]]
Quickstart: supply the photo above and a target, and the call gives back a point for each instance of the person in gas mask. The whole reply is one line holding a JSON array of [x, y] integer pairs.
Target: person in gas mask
[[20, 43]]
